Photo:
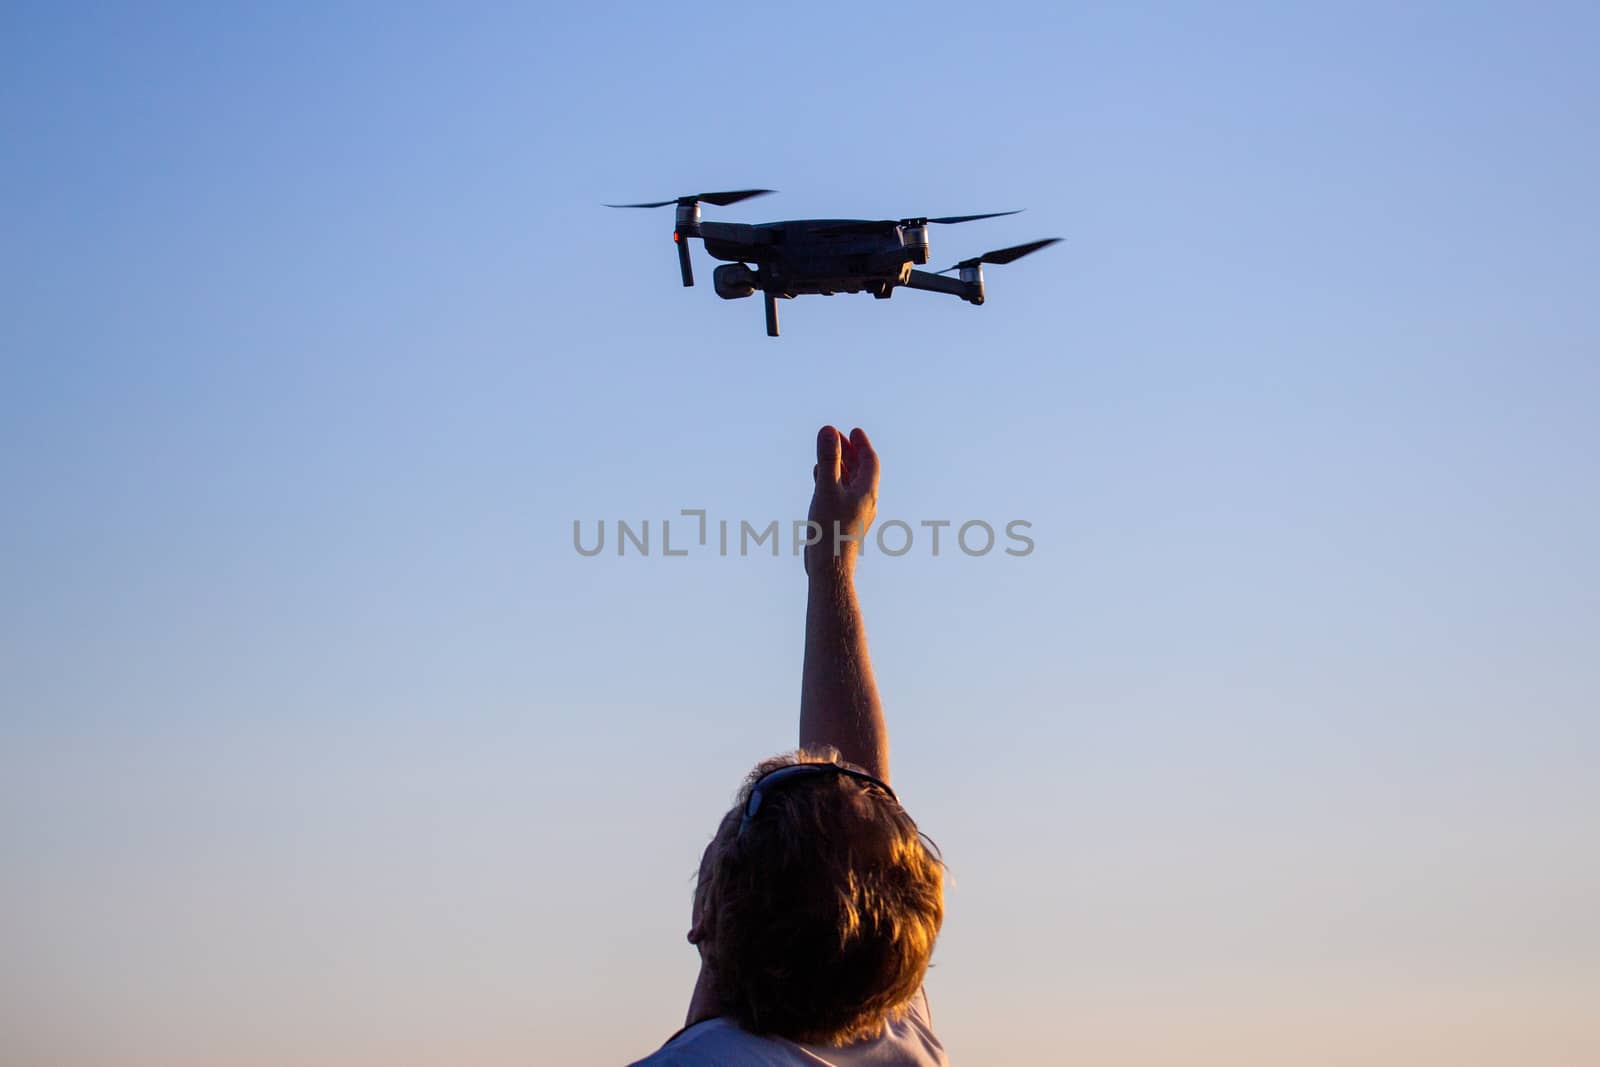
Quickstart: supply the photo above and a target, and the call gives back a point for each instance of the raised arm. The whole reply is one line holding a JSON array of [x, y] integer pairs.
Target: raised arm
[[838, 697]]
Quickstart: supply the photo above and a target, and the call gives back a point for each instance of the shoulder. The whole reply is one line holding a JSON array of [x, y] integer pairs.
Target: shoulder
[[907, 1040], [913, 1031], [715, 1043]]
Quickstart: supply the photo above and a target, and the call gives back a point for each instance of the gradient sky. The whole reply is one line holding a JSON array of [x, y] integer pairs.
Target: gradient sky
[[319, 744]]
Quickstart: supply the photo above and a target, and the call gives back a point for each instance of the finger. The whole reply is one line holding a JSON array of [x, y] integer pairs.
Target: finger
[[829, 447], [866, 459], [847, 458]]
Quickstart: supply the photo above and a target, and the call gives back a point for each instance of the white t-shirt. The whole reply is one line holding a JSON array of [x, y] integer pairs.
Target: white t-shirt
[[906, 1042]]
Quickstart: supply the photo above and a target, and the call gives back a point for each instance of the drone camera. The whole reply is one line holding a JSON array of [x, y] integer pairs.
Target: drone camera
[[733, 281]]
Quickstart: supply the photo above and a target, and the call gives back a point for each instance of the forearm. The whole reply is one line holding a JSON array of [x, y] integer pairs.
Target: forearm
[[839, 703]]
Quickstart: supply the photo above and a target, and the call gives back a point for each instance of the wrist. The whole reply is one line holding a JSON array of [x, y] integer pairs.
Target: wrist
[[837, 546], [827, 566]]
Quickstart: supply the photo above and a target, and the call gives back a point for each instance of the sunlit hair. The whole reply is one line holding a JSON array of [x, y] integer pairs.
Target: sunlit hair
[[821, 915]]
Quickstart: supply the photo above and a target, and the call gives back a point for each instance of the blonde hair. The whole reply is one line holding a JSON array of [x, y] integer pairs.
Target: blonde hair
[[821, 914]]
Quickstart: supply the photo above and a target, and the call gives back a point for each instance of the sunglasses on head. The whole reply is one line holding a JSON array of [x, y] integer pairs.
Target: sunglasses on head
[[796, 771]]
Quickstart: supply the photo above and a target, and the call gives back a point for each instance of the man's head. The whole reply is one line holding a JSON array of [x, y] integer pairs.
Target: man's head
[[816, 915]]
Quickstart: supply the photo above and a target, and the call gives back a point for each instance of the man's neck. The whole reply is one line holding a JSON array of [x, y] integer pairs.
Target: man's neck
[[703, 1004]]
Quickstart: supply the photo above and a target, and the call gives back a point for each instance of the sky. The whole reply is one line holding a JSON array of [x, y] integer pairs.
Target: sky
[[320, 743]]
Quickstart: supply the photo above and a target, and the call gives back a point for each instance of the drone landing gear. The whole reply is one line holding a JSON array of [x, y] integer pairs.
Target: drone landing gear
[[681, 238], [771, 300]]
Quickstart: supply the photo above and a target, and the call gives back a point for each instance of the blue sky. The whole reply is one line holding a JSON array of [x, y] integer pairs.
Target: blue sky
[[320, 743]]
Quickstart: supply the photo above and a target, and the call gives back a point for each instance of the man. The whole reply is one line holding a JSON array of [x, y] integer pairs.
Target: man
[[819, 901]]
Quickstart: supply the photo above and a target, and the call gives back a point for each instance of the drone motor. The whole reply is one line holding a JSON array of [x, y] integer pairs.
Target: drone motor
[[973, 276], [915, 240]]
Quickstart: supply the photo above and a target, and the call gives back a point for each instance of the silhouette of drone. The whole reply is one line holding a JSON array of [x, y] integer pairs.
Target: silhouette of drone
[[825, 256]]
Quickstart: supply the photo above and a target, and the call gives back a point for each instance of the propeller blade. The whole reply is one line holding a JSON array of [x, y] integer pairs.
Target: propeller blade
[[1015, 252], [719, 199], [948, 219], [885, 225], [724, 199], [1003, 255]]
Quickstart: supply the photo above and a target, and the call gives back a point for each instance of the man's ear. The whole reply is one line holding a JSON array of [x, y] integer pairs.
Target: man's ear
[[700, 930]]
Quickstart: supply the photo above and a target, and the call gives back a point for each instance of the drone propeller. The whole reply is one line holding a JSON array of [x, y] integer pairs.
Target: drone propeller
[[688, 222], [719, 199], [885, 225], [964, 218], [1002, 255]]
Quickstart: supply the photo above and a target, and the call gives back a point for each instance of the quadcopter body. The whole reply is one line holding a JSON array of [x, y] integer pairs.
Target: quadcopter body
[[824, 256]]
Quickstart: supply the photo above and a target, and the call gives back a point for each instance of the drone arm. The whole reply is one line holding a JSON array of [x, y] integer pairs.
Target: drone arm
[[938, 283]]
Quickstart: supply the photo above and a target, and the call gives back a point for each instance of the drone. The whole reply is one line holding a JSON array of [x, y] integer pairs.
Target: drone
[[825, 256]]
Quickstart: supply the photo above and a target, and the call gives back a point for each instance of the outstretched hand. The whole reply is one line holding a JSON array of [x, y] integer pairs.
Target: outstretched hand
[[846, 493]]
